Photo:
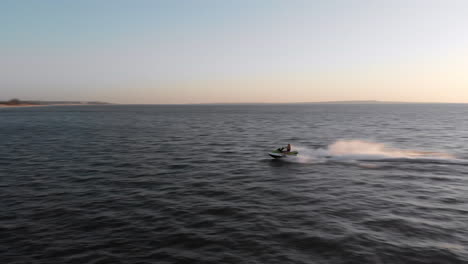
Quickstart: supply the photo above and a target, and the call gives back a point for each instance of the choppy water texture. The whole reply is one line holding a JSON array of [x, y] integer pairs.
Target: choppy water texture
[[194, 184]]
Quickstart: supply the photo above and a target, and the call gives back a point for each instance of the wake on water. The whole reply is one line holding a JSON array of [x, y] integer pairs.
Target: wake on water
[[351, 151]]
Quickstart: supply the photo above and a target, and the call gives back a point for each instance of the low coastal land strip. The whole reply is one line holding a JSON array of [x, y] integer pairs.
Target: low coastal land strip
[[33, 103]]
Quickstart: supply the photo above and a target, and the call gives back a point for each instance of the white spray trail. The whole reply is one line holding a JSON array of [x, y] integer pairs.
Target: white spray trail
[[353, 150]]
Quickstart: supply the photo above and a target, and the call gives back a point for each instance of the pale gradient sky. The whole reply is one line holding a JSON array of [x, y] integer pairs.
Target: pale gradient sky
[[204, 51]]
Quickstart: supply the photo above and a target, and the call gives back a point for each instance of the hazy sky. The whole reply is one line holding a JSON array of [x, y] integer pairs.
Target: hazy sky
[[202, 51]]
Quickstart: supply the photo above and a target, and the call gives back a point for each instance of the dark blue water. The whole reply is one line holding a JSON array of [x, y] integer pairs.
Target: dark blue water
[[194, 184]]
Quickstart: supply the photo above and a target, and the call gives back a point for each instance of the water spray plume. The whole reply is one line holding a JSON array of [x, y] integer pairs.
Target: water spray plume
[[354, 150]]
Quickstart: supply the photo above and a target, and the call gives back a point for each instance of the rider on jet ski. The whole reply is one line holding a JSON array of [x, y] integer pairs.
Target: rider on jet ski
[[288, 148]]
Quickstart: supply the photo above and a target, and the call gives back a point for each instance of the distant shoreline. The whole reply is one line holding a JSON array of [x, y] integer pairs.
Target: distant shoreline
[[18, 105], [41, 105], [367, 102], [33, 103]]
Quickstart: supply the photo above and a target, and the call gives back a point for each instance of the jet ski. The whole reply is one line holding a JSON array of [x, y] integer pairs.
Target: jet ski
[[278, 154]]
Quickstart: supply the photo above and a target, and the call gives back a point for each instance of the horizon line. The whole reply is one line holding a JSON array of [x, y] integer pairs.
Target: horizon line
[[247, 103], [316, 102]]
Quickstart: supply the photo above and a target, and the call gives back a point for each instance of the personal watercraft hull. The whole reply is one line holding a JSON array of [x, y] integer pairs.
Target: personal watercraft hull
[[278, 155]]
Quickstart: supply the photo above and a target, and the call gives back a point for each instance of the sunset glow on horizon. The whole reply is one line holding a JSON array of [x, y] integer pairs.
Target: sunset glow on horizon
[[176, 52]]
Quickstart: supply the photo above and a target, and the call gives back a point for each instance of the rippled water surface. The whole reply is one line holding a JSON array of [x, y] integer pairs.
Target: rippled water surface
[[194, 184]]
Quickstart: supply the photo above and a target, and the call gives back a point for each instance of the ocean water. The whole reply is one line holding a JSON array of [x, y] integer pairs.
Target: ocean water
[[194, 184]]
